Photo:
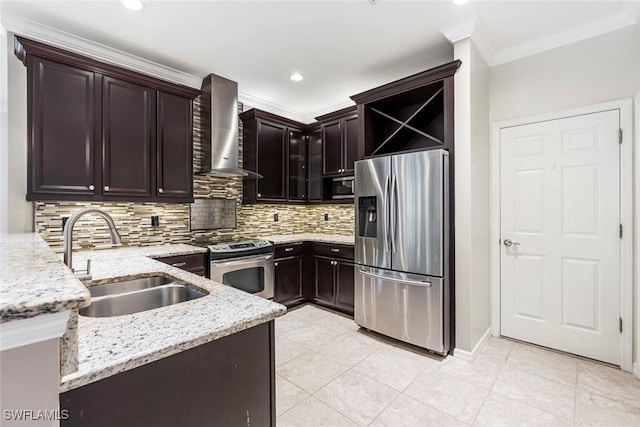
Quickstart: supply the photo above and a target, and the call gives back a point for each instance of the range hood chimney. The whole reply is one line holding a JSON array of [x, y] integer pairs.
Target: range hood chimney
[[220, 128]]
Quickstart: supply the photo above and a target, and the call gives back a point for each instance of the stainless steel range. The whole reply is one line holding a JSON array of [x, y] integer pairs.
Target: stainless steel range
[[246, 265]]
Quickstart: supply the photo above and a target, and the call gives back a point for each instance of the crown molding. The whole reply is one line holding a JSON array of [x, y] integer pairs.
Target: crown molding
[[606, 24], [475, 30], [61, 39], [334, 108], [250, 101], [19, 333]]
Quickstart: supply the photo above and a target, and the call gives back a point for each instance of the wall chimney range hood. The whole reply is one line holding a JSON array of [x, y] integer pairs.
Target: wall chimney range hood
[[220, 128]]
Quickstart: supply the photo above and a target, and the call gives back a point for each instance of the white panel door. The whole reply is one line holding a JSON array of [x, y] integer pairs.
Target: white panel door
[[560, 206]]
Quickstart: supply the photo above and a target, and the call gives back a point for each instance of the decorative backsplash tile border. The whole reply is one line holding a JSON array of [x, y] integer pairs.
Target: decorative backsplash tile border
[[133, 220]]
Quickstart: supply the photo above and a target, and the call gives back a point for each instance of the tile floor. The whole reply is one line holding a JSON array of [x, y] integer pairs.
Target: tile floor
[[330, 374]]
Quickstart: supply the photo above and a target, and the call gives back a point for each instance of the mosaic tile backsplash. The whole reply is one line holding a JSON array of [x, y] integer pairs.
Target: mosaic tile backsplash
[[133, 220]]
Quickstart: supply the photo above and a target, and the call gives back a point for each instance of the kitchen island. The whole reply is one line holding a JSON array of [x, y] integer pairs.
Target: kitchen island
[[210, 357]]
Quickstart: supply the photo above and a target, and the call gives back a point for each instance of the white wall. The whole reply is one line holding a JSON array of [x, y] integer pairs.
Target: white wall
[[20, 212], [4, 147], [599, 69], [471, 197]]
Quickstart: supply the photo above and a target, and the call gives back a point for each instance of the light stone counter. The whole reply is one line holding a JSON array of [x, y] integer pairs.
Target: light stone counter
[[311, 237], [34, 281], [157, 251], [110, 345]]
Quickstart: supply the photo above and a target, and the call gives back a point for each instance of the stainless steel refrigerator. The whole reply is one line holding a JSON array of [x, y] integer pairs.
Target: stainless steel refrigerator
[[401, 248]]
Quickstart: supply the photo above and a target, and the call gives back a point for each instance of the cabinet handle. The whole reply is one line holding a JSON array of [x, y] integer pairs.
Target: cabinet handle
[[275, 264], [91, 187], [288, 249], [160, 190], [179, 264], [106, 188]]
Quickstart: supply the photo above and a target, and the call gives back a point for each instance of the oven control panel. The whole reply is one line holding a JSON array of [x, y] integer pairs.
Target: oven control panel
[[240, 246]]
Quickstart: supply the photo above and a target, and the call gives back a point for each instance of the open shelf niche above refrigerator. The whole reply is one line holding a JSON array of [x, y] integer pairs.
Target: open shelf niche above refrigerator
[[411, 114]]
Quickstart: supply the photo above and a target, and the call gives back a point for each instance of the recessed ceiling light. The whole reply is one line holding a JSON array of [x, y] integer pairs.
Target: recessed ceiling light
[[460, 1], [132, 4], [296, 77]]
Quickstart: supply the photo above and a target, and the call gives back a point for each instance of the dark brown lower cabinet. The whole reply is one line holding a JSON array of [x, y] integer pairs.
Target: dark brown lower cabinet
[[288, 280], [334, 283], [193, 263], [227, 382], [324, 280], [345, 282]]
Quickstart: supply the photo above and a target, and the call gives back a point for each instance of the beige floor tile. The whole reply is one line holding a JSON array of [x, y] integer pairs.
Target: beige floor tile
[[545, 363], [308, 312], [357, 396], [542, 393], [500, 411], [395, 367], [311, 371], [406, 411], [593, 409], [287, 350], [287, 395], [348, 348], [610, 382], [497, 348], [483, 371], [336, 321], [286, 324], [449, 394], [313, 335], [313, 413]]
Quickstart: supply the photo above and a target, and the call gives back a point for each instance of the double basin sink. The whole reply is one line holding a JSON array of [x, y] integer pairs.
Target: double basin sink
[[136, 295]]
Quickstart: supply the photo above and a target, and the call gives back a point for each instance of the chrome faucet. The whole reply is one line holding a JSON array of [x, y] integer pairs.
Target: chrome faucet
[[68, 232]]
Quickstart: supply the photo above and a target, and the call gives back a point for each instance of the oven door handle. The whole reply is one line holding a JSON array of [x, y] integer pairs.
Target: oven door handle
[[244, 260]]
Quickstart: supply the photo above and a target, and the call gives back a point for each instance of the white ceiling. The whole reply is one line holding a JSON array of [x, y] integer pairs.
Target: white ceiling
[[341, 47]]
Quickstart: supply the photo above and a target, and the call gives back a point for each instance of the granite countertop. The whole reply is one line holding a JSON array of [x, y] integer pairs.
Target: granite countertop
[[34, 281], [157, 251], [311, 237], [109, 345]]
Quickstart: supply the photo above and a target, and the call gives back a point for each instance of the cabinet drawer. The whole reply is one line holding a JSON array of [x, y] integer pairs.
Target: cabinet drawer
[[292, 249], [334, 251], [194, 263]]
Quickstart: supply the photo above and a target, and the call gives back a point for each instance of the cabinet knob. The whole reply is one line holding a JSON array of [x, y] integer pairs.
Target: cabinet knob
[[91, 187], [275, 264], [160, 190], [106, 188], [259, 195]]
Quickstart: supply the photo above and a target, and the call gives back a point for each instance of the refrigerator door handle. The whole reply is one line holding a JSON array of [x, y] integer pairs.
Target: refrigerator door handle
[[385, 224], [394, 212], [393, 279]]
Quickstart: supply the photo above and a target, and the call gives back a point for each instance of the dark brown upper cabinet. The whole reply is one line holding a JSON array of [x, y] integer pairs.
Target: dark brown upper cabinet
[[101, 132], [174, 136], [127, 126], [414, 113], [297, 165], [314, 164], [339, 141], [273, 147], [63, 130]]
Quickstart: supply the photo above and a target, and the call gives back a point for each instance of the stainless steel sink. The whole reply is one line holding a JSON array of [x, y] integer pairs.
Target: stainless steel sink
[[128, 286], [134, 296]]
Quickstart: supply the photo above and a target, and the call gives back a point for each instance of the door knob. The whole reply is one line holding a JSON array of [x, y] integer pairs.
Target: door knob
[[509, 242]]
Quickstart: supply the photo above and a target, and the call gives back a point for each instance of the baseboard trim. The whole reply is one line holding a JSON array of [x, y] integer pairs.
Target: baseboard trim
[[470, 356]]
